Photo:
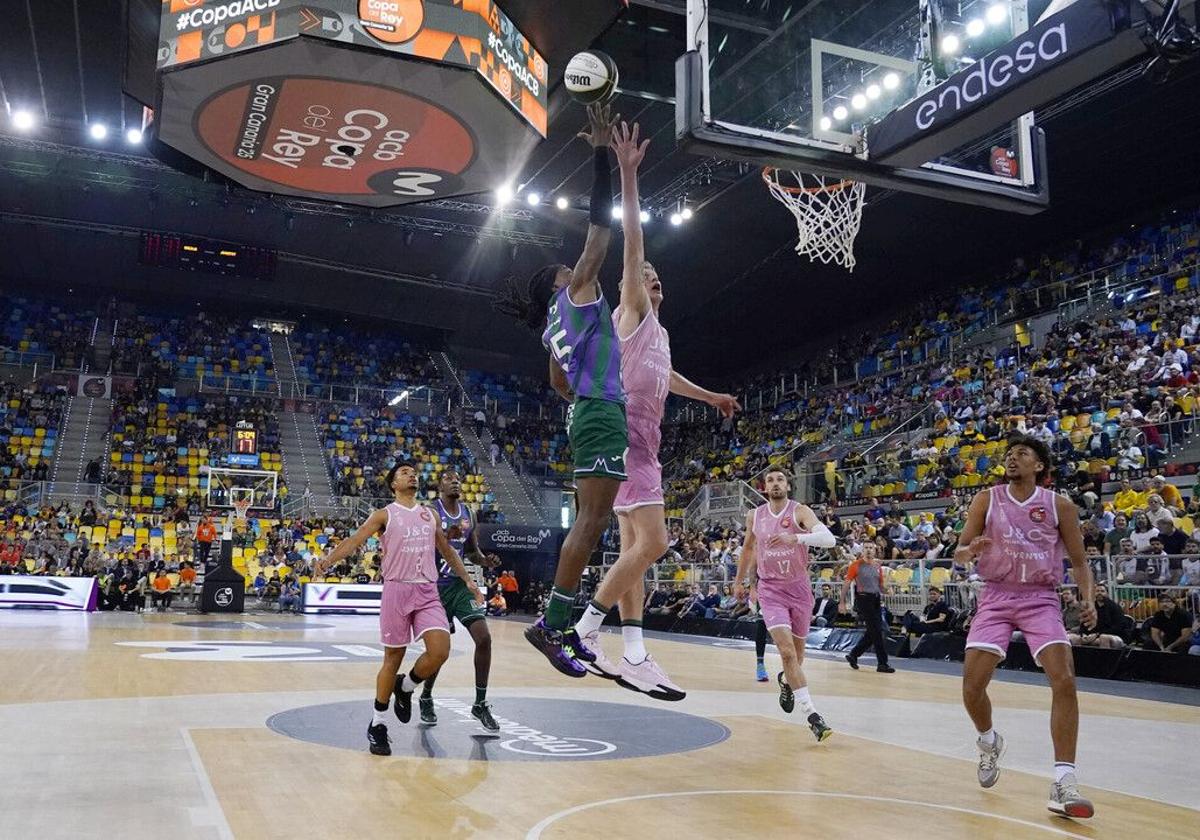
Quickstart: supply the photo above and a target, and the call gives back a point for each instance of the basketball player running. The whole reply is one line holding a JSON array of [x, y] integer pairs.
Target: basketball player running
[[782, 531], [585, 369], [458, 525], [647, 377], [409, 609], [1018, 533]]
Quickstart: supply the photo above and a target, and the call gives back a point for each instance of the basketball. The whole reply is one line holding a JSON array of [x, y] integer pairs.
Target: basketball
[[591, 77]]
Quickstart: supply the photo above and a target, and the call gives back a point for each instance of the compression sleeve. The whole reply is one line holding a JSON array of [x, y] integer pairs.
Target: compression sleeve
[[602, 200], [819, 537]]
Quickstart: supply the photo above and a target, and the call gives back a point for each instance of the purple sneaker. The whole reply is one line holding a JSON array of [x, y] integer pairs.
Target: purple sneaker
[[578, 649], [552, 643]]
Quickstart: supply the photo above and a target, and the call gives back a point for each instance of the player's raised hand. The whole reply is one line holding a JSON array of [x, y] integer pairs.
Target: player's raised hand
[[625, 142], [1087, 614], [727, 404], [600, 126], [491, 561]]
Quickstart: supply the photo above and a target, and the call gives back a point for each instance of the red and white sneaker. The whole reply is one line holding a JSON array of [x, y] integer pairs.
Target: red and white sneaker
[[600, 665], [649, 679]]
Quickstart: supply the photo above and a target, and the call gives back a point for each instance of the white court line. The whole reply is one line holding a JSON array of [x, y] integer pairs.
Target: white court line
[[536, 832], [216, 813]]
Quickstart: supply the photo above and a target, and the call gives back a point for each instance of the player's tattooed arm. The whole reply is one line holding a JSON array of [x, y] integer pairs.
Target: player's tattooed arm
[[455, 562]]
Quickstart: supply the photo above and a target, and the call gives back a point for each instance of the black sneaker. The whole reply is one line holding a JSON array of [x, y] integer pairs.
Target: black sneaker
[[787, 700], [428, 715], [886, 669], [482, 712], [818, 726], [552, 644], [403, 706], [378, 739], [853, 660]]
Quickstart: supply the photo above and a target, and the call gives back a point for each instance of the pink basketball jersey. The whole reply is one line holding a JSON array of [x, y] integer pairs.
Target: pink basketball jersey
[[785, 562], [408, 544], [1026, 546], [645, 369]]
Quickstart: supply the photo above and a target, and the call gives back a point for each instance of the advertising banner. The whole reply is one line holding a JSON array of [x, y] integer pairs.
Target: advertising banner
[[48, 593]]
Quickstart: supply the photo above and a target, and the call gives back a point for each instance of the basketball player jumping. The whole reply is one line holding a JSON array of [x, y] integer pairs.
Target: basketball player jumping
[[585, 368], [782, 531], [410, 608], [647, 377], [458, 525], [1018, 534]]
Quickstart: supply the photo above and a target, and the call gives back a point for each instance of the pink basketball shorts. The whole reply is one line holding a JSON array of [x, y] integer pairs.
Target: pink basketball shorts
[[1037, 613], [408, 611], [786, 603], [643, 486]]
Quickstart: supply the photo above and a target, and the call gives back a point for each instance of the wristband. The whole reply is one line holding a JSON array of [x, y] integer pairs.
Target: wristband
[[600, 212]]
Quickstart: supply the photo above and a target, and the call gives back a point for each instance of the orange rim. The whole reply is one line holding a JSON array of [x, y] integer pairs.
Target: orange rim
[[828, 188]]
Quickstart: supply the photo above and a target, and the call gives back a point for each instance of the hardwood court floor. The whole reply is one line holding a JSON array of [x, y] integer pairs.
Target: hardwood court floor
[[143, 727]]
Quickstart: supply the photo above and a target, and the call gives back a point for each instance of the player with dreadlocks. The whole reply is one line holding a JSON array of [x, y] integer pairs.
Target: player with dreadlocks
[[585, 369]]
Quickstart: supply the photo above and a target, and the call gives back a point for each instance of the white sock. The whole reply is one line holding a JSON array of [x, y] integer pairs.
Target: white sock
[[1061, 769], [407, 684], [988, 737], [635, 647], [380, 717], [805, 701], [590, 621]]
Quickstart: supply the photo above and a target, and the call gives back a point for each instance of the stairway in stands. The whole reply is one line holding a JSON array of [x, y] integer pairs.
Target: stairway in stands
[[284, 363], [513, 495], [86, 421], [304, 463]]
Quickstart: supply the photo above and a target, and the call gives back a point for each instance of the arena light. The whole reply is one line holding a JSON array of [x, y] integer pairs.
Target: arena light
[[997, 14], [873, 91], [23, 120], [533, 199], [98, 131], [399, 398], [975, 27], [951, 44], [826, 123], [133, 136], [858, 102], [686, 213], [616, 211], [644, 217], [561, 203], [891, 81], [504, 194], [840, 112], [676, 219]]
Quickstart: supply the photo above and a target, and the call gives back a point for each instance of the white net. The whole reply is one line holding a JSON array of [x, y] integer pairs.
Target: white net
[[828, 213]]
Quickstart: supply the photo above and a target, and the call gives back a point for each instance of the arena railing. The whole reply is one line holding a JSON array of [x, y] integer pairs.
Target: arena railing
[[423, 399]]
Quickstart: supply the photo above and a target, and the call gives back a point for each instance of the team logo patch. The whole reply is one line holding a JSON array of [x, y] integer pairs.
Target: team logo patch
[[425, 515], [1037, 514], [787, 523]]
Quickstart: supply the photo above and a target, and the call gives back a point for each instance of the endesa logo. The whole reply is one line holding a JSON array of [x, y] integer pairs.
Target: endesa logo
[[992, 74], [212, 15]]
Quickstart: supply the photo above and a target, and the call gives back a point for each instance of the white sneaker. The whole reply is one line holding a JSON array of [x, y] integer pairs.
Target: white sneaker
[[649, 679], [989, 760], [1065, 799], [602, 666]]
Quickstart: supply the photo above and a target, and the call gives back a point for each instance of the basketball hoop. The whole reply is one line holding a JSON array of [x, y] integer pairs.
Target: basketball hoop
[[828, 212]]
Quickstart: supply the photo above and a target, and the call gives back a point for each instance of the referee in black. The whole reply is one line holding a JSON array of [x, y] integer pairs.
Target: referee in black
[[867, 575]]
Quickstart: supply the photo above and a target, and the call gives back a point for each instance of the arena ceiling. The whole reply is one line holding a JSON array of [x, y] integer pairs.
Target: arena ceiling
[[71, 207]]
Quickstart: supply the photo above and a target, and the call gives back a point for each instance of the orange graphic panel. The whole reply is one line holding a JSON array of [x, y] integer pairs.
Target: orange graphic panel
[[392, 21]]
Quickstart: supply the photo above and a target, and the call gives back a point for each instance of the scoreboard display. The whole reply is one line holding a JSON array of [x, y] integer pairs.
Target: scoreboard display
[[209, 256], [245, 445]]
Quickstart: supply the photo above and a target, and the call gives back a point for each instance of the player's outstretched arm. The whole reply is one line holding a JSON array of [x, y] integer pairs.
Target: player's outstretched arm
[[818, 536], [586, 278], [558, 381], [635, 299], [375, 523], [971, 542], [747, 562], [1081, 572], [475, 553], [727, 404], [455, 562]]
